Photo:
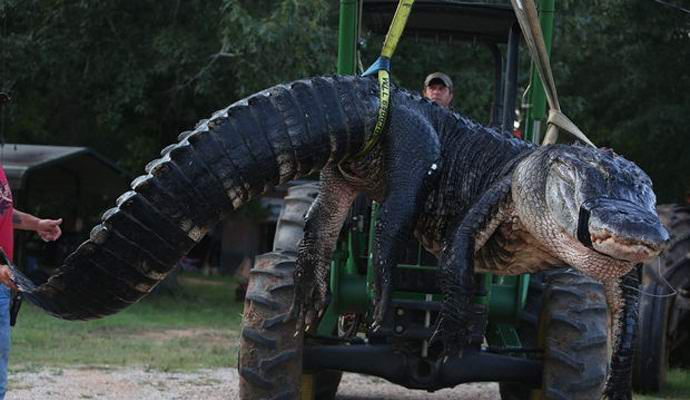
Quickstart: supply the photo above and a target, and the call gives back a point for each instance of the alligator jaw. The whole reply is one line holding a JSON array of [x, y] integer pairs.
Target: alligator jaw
[[621, 229], [608, 244]]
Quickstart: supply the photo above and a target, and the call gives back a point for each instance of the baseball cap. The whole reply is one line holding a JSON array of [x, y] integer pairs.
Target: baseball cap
[[440, 76]]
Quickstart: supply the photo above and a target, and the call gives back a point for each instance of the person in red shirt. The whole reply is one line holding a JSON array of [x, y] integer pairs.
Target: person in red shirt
[[10, 218]]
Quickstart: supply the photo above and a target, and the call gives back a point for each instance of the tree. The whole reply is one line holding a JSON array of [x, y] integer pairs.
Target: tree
[[126, 77], [622, 67]]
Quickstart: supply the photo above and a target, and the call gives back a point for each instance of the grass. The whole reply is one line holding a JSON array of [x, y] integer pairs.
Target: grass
[[196, 328], [677, 387]]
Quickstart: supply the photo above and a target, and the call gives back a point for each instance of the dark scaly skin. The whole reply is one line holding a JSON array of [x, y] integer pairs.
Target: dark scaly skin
[[478, 198], [622, 230], [276, 135], [457, 272], [323, 222], [625, 332], [408, 178]]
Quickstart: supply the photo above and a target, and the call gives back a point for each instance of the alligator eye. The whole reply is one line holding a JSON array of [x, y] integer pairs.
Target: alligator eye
[[564, 172], [600, 168]]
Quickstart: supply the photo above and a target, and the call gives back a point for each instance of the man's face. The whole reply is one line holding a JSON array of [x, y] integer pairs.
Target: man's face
[[438, 93]]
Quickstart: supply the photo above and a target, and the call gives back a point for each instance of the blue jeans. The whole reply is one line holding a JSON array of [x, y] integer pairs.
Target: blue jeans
[[5, 296]]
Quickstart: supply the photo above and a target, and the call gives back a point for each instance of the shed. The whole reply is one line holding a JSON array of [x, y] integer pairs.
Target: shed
[[73, 183]]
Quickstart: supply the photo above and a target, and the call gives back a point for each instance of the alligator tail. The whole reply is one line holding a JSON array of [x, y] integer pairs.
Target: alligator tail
[[271, 137]]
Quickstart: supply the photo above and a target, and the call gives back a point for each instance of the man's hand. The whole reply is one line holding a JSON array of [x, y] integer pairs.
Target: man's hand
[[49, 229], [6, 277]]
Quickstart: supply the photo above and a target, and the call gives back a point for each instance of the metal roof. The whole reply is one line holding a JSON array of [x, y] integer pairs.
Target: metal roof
[[91, 169], [446, 20]]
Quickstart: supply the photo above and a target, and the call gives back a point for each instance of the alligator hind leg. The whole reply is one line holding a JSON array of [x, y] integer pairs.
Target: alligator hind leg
[[323, 223]]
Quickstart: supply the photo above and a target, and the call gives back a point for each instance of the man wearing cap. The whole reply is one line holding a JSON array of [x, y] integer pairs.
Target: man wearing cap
[[438, 87]]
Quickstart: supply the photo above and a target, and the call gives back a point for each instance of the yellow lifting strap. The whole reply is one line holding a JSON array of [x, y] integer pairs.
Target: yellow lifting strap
[[382, 66], [526, 13]]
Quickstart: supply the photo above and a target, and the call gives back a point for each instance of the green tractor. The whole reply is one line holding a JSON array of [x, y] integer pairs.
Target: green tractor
[[540, 337]]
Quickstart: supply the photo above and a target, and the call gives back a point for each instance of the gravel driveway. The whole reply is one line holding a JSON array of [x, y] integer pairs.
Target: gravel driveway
[[216, 384]]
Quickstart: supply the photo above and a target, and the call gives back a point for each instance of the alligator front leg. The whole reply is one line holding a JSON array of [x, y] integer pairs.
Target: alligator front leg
[[622, 296], [323, 223], [457, 264]]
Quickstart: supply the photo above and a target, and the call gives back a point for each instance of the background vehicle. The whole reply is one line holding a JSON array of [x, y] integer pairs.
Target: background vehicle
[[518, 316], [665, 316]]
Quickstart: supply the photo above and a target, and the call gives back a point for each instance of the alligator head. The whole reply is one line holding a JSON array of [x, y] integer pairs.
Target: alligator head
[[589, 207]]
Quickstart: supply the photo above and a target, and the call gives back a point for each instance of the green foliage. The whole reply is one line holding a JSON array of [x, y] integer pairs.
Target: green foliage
[[622, 67], [271, 42], [126, 77]]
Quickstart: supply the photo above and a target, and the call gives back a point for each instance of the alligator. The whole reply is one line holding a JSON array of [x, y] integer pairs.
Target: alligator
[[478, 198]]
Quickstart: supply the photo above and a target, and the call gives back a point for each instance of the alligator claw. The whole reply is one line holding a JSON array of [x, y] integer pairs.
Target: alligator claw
[[303, 314], [308, 303], [294, 313], [302, 305], [375, 326], [379, 313], [319, 302], [381, 306], [309, 318]]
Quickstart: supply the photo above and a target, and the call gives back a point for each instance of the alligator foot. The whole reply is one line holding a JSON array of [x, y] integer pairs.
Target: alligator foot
[[618, 389], [301, 302], [610, 395], [453, 334], [295, 312], [455, 327], [303, 313], [317, 306], [456, 317], [308, 303]]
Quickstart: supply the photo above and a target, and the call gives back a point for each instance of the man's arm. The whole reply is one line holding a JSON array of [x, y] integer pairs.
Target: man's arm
[[47, 229], [6, 277]]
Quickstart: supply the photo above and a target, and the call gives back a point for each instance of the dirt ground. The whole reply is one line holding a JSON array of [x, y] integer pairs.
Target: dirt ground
[[216, 384]]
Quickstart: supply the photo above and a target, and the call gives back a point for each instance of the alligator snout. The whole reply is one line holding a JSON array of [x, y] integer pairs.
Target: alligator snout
[[621, 229]]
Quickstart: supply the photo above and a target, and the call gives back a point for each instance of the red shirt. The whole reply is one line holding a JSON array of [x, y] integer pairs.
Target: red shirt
[[6, 211]]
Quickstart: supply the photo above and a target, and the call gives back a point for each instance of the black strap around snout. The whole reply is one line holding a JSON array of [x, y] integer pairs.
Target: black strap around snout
[[583, 223]]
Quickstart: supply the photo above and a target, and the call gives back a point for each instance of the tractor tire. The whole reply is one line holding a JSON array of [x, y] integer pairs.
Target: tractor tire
[[290, 226], [676, 218], [270, 360], [664, 325], [573, 332]]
